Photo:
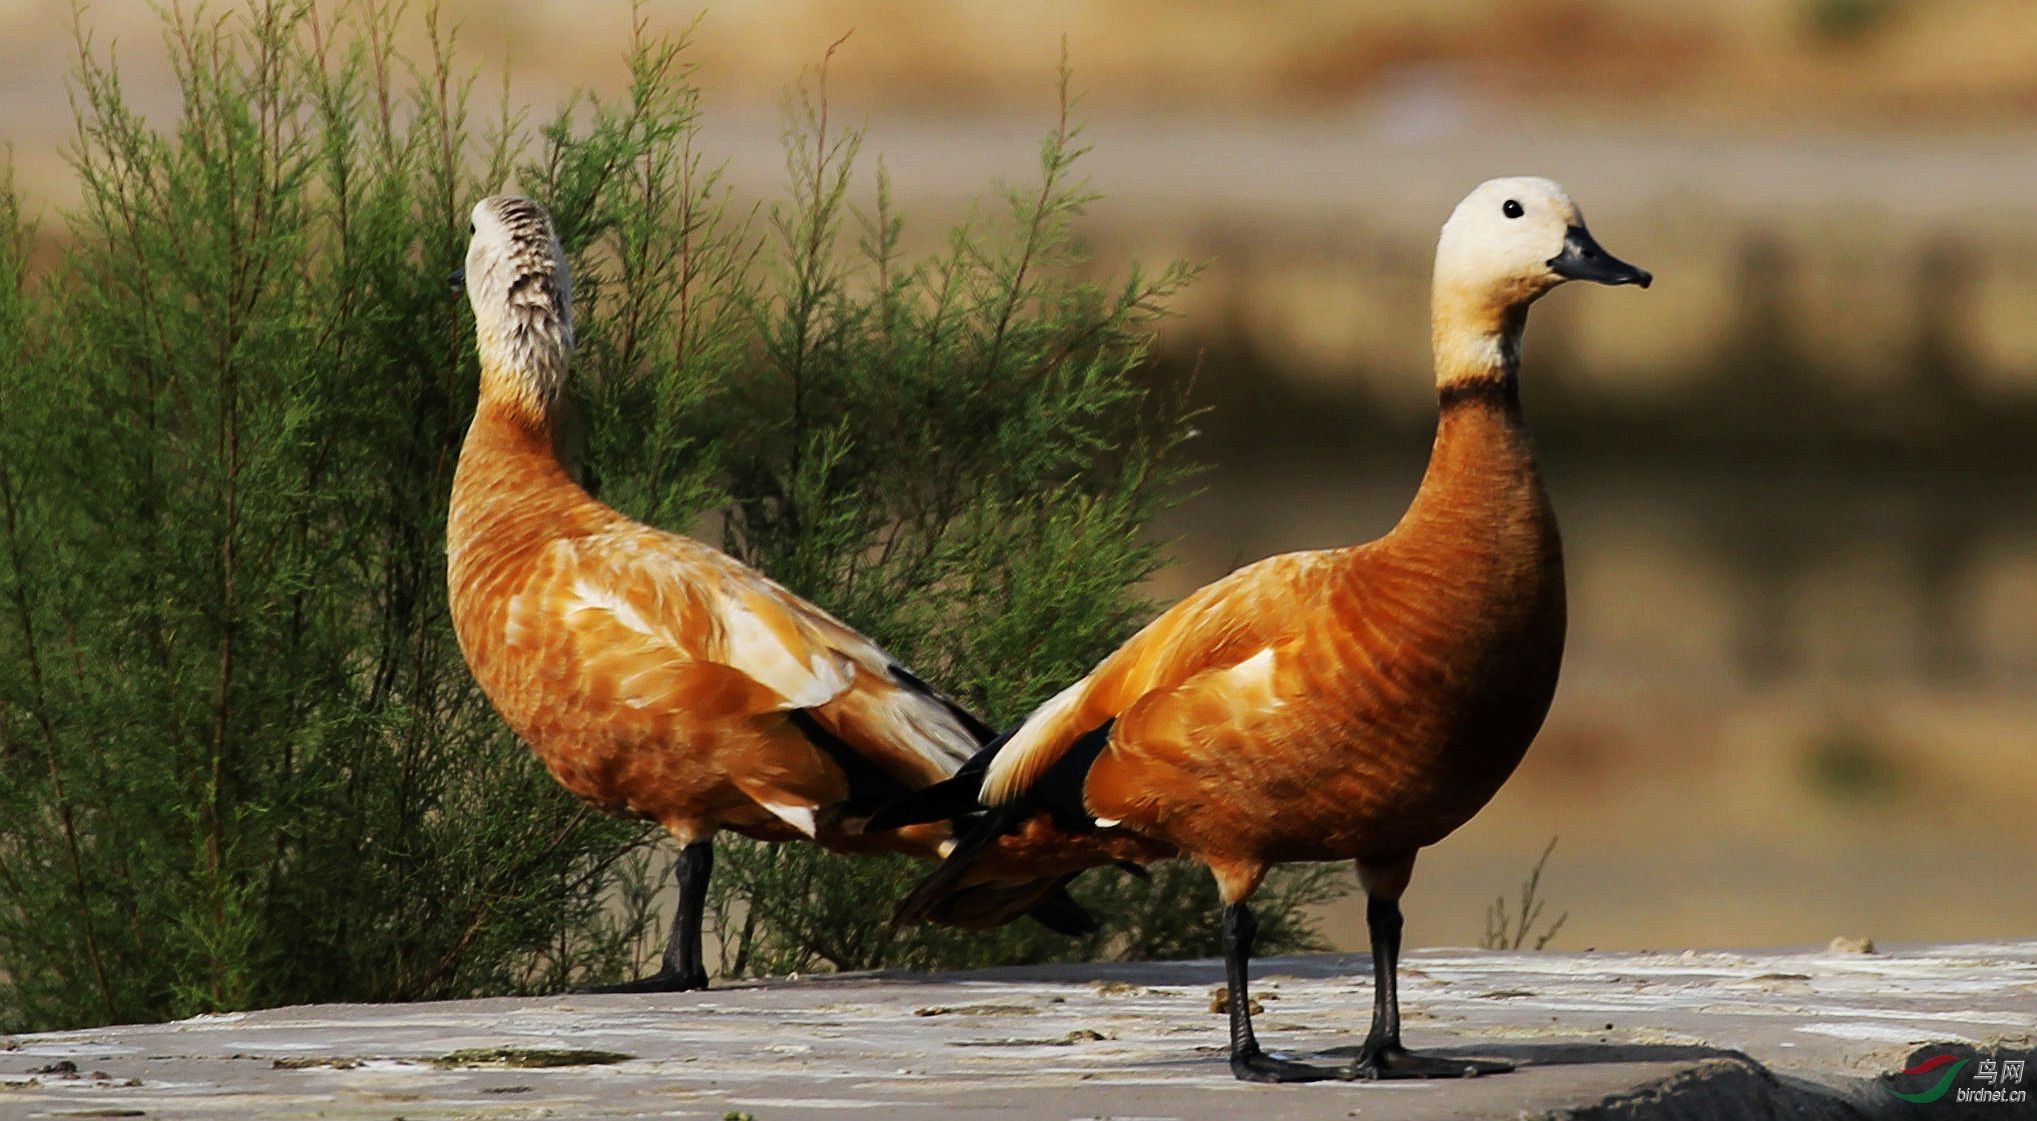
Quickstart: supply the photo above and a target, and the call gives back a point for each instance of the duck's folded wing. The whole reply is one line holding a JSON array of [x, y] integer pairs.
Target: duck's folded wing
[[887, 713], [1219, 626], [676, 596], [627, 642], [849, 695]]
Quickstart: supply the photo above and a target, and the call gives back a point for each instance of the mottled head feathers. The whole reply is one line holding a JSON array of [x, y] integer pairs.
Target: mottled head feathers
[[521, 292]]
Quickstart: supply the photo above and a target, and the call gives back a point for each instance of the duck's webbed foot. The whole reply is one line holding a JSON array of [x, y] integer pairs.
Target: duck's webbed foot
[[1377, 1061], [1248, 1062], [663, 981], [1254, 1065]]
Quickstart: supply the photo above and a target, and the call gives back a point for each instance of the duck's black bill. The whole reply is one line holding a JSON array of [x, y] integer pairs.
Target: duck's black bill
[[457, 279], [1582, 259]]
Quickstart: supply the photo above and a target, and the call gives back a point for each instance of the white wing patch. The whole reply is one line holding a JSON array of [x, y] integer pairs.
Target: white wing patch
[[514, 628], [799, 817], [805, 682], [1255, 674], [1249, 686], [1251, 679], [593, 597], [643, 688]]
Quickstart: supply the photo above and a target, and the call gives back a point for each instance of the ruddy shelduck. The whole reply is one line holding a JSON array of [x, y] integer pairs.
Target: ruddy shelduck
[[655, 676], [1344, 704]]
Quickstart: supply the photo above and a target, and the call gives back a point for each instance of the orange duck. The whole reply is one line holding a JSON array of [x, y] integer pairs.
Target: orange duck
[[657, 677], [1345, 704]]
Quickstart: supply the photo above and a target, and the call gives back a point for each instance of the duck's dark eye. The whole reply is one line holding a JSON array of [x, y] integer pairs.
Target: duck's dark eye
[[1512, 209], [470, 229]]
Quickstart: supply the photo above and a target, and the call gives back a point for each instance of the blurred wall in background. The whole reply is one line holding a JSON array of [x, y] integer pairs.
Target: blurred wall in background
[[1795, 476]]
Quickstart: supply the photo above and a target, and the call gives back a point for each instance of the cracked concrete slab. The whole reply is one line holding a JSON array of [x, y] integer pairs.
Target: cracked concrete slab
[[1596, 1036]]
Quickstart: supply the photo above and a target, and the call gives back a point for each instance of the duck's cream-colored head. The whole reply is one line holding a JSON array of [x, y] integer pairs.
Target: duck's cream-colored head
[[522, 295], [1505, 246]]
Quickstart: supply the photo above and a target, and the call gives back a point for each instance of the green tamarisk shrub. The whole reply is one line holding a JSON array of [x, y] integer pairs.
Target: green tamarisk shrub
[[241, 760]]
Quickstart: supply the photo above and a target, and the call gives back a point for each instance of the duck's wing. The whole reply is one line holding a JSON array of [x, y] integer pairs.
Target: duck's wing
[[694, 604], [1219, 629], [1220, 643], [886, 713]]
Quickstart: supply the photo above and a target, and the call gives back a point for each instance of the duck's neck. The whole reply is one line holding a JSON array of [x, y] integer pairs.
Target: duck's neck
[[527, 386], [1477, 345], [511, 424], [1482, 486], [511, 479]]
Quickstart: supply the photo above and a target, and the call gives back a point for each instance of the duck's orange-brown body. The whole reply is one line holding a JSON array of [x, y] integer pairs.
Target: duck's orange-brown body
[[654, 675], [1348, 703]]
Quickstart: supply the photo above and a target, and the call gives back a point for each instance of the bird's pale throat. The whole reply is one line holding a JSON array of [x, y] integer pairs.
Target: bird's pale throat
[[1478, 352]]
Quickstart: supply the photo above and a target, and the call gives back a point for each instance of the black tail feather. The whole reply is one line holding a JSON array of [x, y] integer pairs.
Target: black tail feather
[[1060, 913], [947, 875], [870, 786], [951, 798], [1059, 791], [1059, 788]]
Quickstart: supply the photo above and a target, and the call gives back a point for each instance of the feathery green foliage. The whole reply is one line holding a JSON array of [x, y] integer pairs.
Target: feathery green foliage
[[241, 759], [244, 764], [956, 453]]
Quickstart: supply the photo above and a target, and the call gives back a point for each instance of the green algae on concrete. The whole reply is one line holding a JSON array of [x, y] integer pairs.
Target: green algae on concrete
[[527, 1058]]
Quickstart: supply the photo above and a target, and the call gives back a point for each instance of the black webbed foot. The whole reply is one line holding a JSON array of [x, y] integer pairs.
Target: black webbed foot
[[663, 981], [1382, 1061], [1255, 1065]]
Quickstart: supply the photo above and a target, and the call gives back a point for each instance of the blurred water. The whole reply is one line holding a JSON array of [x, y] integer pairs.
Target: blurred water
[[1800, 697], [1794, 477]]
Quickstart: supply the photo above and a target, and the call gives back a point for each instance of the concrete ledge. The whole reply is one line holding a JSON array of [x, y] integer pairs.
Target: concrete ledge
[[1598, 1036]]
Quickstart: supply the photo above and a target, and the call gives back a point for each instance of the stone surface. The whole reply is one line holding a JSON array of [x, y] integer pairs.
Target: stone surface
[[1597, 1035]]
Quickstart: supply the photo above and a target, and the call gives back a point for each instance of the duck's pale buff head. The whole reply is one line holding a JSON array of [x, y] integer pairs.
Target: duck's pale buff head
[[1513, 239], [1507, 244], [522, 296]]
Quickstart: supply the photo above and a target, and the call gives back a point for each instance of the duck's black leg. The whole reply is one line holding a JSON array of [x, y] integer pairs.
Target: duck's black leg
[[1382, 1055], [683, 956], [684, 968], [1248, 1062]]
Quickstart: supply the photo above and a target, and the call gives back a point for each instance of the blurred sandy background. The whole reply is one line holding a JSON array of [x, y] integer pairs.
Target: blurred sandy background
[[1795, 476]]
